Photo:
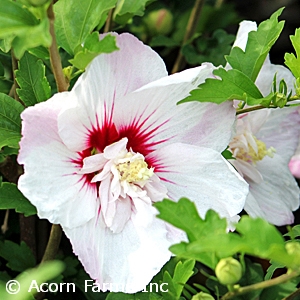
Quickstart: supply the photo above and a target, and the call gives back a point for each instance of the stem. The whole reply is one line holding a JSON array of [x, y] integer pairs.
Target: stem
[[55, 60], [4, 226], [252, 108], [261, 285], [62, 86], [218, 4], [190, 31], [53, 243], [108, 23]]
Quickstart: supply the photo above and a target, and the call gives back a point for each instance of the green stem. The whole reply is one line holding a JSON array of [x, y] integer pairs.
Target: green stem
[[190, 31], [109, 20], [249, 109], [55, 60], [261, 285], [218, 3], [53, 243], [62, 86]]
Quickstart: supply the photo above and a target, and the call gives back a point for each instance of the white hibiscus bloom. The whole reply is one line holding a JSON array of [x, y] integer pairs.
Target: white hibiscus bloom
[[96, 158], [263, 145]]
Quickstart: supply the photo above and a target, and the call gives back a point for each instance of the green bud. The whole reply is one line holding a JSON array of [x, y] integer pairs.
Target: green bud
[[203, 296], [280, 100], [68, 71], [228, 271], [293, 248], [159, 21]]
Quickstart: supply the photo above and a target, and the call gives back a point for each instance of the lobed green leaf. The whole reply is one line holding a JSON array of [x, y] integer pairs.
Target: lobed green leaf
[[258, 46], [233, 85], [19, 257], [76, 20], [126, 9], [10, 121], [92, 48], [184, 215], [20, 29], [34, 86], [12, 198], [253, 236], [42, 274], [292, 61]]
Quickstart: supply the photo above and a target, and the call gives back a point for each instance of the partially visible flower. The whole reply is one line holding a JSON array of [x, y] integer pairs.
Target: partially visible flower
[[263, 144], [96, 158], [294, 163]]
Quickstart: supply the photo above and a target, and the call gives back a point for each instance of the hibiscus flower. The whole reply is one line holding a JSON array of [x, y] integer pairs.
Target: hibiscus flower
[[263, 145], [294, 163], [96, 159]]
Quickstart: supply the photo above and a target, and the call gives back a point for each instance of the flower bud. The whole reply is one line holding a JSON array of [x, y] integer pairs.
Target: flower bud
[[203, 296], [159, 21], [293, 248], [228, 271], [280, 100]]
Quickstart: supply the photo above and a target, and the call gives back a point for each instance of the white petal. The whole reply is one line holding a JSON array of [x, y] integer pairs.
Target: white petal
[[125, 261], [242, 34], [107, 79], [203, 176], [154, 113], [247, 170], [281, 131], [112, 151], [122, 215], [265, 77], [92, 164], [277, 196], [50, 181]]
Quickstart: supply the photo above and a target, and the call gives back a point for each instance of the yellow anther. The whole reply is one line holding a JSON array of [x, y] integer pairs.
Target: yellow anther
[[134, 170], [253, 155]]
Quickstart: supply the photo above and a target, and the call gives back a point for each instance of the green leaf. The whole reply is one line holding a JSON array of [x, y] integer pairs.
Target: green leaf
[[258, 46], [12, 198], [227, 154], [163, 41], [43, 273], [34, 86], [233, 85], [10, 121], [92, 48], [126, 9], [273, 267], [212, 49], [21, 29], [76, 20], [137, 296], [184, 215], [80, 281], [208, 248], [291, 61], [293, 232], [280, 291], [183, 272], [19, 257], [254, 273]]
